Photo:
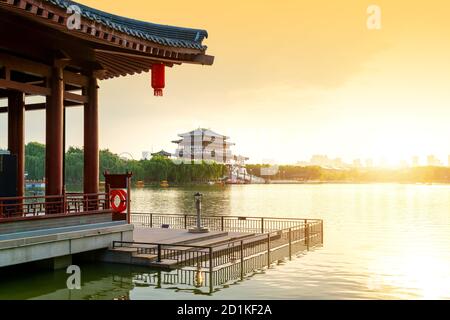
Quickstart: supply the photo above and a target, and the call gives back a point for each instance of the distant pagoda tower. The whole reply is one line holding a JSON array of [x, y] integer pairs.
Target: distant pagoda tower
[[162, 154], [203, 145]]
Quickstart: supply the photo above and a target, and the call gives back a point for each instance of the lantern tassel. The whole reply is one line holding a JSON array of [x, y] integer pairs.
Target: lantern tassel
[[158, 92]]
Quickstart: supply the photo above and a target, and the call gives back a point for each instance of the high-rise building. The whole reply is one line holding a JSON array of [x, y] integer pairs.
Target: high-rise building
[[320, 160], [404, 164], [369, 163], [357, 163], [432, 161]]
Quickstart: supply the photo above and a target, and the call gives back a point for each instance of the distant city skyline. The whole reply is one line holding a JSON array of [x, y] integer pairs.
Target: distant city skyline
[[339, 163]]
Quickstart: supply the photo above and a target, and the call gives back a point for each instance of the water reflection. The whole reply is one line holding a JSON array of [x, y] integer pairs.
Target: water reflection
[[99, 282], [381, 242], [180, 200], [112, 282]]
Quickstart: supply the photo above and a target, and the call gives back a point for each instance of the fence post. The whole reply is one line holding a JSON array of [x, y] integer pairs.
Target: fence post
[[211, 271], [185, 221], [290, 243], [321, 232], [151, 220], [65, 211], [159, 253], [262, 225], [307, 236], [223, 223], [268, 251], [242, 260]]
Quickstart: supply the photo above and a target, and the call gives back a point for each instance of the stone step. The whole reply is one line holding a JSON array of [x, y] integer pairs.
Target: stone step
[[223, 240], [125, 249], [202, 237]]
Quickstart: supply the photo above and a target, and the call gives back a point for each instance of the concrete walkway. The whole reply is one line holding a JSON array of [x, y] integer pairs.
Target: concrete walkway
[[30, 246], [52, 231]]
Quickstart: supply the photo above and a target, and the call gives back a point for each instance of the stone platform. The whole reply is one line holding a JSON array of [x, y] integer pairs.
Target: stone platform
[[60, 243]]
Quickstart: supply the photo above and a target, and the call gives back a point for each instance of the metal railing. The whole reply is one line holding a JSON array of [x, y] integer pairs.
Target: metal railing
[[218, 223], [35, 206], [230, 260]]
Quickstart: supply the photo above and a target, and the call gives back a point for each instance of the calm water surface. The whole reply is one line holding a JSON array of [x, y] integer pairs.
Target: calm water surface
[[381, 242]]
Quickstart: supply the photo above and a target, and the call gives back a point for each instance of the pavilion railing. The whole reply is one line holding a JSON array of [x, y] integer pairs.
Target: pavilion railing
[[218, 223], [35, 206]]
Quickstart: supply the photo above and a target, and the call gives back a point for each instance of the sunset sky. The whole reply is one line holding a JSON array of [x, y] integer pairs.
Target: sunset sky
[[292, 78]]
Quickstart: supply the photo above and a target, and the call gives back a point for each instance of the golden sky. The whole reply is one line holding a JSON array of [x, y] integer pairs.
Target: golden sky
[[292, 78]]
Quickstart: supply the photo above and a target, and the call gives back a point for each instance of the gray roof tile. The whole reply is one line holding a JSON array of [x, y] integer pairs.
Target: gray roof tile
[[161, 34]]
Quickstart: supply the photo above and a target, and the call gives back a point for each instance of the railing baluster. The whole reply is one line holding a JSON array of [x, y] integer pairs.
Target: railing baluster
[[159, 253], [242, 260], [307, 236], [321, 232], [290, 244], [262, 225]]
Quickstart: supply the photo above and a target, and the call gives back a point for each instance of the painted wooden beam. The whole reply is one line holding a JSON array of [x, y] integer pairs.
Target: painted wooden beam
[[24, 65], [24, 87], [42, 106], [75, 79], [76, 98]]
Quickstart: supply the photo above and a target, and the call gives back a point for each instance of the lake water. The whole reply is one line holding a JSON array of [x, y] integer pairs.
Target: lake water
[[381, 242]]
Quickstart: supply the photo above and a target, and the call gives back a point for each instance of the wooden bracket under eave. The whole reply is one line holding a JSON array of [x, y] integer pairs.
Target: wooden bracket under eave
[[61, 59]]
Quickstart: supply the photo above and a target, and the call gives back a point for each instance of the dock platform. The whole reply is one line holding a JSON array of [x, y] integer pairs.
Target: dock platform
[[251, 243], [178, 246]]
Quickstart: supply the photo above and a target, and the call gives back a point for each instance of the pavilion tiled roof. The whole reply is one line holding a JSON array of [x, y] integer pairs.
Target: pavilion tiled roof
[[203, 131], [172, 36]]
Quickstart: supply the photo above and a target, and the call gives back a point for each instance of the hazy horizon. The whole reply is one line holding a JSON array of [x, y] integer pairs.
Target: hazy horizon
[[290, 80]]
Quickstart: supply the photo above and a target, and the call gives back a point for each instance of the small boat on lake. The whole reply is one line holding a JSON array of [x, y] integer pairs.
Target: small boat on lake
[[164, 184], [140, 184]]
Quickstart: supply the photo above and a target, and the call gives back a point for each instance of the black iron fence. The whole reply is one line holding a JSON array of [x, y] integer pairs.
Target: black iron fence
[[220, 263], [218, 223]]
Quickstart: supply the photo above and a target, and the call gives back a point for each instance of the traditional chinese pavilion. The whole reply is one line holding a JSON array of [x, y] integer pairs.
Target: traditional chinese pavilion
[[40, 55], [203, 145], [60, 50]]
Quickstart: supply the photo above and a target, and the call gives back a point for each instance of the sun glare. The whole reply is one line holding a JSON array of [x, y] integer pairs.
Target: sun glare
[[416, 274]]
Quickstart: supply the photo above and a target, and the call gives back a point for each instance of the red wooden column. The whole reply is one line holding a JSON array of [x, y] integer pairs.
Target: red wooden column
[[54, 135], [91, 152], [16, 134]]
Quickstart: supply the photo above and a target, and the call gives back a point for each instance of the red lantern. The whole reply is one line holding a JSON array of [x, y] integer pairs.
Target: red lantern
[[158, 78]]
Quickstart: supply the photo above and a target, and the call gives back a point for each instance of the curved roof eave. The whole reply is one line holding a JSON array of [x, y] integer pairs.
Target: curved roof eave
[[161, 34]]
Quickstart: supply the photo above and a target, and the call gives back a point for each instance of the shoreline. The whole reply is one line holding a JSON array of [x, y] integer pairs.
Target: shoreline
[[155, 185]]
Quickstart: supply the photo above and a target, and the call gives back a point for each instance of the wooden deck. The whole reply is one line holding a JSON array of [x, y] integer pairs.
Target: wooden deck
[[175, 236]]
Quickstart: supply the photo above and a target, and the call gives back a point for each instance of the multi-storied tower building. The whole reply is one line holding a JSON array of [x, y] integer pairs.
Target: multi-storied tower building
[[203, 145]]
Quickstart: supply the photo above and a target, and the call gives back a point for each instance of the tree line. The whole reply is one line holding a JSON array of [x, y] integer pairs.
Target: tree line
[[158, 169], [154, 170], [362, 175]]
